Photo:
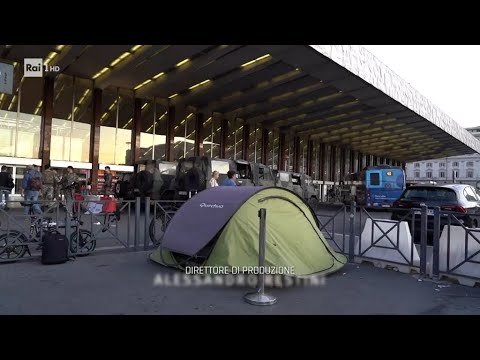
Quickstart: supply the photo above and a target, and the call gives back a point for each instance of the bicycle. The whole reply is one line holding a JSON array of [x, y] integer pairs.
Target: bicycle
[[38, 227], [158, 225]]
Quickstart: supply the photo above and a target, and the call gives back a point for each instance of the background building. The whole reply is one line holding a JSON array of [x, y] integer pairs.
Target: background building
[[461, 169]]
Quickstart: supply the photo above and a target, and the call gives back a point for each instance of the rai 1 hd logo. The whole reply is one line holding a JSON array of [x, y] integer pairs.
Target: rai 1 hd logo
[[34, 67]]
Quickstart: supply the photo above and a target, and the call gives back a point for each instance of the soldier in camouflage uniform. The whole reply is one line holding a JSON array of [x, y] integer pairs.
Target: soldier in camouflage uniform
[[48, 185], [68, 184], [107, 185], [57, 185]]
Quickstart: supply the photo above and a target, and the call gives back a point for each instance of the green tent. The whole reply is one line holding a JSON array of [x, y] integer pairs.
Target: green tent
[[220, 227]]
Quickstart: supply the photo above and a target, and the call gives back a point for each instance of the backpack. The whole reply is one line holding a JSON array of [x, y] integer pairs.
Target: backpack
[[35, 184]]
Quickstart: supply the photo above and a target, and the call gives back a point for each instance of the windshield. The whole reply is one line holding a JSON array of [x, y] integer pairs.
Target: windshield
[[167, 169], [284, 177], [430, 193], [221, 166]]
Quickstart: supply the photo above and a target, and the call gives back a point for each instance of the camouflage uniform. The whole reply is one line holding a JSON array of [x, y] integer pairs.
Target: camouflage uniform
[[107, 185], [68, 182], [57, 186], [48, 184]]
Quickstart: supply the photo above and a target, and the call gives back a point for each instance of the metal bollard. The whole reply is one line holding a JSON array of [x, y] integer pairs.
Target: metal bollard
[[259, 297], [423, 241], [68, 234], [146, 237], [138, 204], [351, 241], [436, 244]]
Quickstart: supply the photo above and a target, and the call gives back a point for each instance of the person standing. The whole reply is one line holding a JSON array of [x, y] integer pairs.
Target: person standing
[[107, 185], [32, 184], [214, 179], [57, 185], [6, 185], [230, 180], [69, 182], [48, 184]]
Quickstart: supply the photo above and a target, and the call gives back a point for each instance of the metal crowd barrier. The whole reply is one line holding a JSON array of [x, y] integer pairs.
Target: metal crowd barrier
[[89, 230], [439, 243]]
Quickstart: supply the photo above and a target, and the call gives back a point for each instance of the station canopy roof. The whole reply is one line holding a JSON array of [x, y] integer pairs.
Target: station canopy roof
[[338, 94]]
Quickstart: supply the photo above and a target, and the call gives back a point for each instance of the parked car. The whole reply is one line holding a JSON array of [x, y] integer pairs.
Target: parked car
[[460, 199]]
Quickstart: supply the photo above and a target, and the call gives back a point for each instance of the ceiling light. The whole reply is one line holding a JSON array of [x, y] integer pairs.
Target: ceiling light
[[256, 60], [172, 96], [158, 75], [199, 84], [142, 84], [182, 62], [100, 73]]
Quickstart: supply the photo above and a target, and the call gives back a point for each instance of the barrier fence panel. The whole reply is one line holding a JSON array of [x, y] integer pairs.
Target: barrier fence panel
[[94, 225], [456, 247], [21, 233], [409, 239], [333, 223], [389, 241], [111, 224], [163, 211]]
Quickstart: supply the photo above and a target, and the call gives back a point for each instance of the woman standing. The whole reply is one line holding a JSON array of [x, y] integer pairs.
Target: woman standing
[[213, 180]]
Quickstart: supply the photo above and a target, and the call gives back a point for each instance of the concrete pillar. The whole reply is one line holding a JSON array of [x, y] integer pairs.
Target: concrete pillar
[[282, 152], [47, 116], [136, 130], [343, 161], [333, 163], [246, 141], [95, 137], [223, 137], [322, 153], [264, 146], [310, 158], [296, 154], [169, 142], [199, 135]]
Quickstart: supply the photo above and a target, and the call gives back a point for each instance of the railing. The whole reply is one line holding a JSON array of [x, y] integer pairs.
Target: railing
[[95, 225], [430, 241]]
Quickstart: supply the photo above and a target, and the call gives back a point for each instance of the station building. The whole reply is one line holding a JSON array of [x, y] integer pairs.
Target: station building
[[323, 110]]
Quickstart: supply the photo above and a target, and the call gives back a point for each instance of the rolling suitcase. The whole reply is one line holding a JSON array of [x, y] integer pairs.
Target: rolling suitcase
[[54, 249]]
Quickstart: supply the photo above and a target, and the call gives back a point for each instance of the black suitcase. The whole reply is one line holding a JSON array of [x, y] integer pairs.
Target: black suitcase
[[54, 249]]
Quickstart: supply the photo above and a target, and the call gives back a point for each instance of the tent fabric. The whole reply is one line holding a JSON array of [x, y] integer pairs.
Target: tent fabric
[[293, 238], [199, 220]]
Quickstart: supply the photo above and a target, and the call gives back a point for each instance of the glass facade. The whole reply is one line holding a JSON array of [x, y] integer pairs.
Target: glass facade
[[189, 137], [230, 145], [238, 141], [116, 128], [255, 145], [211, 128], [153, 131], [20, 116], [72, 118]]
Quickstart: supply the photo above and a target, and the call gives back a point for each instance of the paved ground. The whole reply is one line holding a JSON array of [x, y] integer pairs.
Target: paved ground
[[122, 283]]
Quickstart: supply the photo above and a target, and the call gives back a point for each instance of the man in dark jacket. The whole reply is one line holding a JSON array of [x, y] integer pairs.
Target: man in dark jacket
[[6, 186]]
